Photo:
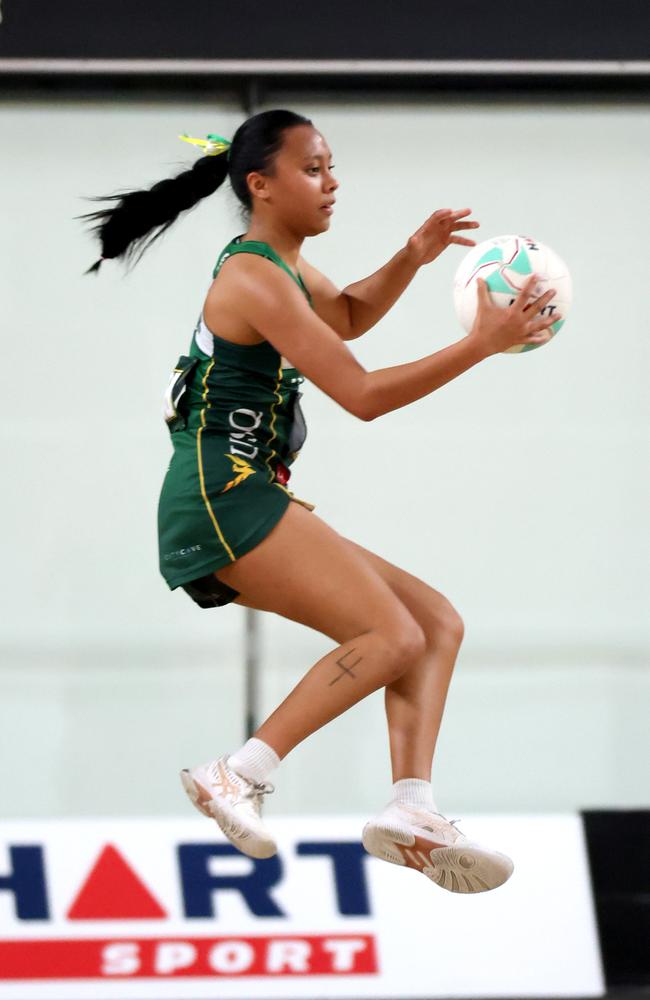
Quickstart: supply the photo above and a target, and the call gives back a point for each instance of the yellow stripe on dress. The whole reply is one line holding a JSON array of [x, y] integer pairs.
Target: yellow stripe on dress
[[278, 399], [199, 456]]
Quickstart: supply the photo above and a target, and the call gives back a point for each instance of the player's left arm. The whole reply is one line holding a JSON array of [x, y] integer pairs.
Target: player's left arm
[[330, 304], [360, 306]]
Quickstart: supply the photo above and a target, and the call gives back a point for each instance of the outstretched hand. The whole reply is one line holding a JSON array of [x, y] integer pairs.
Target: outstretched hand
[[437, 233]]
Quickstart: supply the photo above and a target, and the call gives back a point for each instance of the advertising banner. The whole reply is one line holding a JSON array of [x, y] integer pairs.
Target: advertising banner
[[136, 908]]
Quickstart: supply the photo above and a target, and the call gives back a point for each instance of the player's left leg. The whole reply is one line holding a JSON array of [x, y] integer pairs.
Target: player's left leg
[[410, 831], [415, 701]]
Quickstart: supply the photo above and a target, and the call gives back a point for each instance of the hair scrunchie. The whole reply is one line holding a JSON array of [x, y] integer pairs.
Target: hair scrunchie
[[212, 145]]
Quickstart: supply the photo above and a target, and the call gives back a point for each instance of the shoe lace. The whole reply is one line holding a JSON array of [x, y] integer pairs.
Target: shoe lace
[[452, 822], [257, 792]]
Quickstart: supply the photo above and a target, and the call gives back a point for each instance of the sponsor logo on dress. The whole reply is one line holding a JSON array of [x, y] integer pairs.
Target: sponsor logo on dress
[[244, 423], [242, 470]]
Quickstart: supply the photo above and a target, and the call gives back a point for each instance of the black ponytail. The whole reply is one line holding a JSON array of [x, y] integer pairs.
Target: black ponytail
[[129, 228], [140, 217]]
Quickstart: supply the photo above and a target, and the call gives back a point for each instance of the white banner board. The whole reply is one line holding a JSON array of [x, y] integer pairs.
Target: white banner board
[[108, 908]]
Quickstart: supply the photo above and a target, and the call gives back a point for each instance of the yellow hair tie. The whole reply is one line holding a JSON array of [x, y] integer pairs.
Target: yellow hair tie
[[212, 145]]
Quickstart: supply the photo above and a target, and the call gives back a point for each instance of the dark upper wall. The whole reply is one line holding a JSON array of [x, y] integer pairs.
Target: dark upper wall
[[338, 29]]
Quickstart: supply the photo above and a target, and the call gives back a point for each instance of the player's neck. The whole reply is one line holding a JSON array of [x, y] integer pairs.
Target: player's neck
[[285, 243]]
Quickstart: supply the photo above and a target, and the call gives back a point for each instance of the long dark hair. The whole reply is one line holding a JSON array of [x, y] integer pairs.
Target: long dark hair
[[128, 228]]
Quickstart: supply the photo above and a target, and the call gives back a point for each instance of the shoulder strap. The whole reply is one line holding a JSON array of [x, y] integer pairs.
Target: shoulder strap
[[264, 250]]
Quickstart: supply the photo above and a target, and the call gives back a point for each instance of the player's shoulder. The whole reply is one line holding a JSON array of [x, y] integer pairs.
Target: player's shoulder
[[248, 263], [255, 274], [247, 278]]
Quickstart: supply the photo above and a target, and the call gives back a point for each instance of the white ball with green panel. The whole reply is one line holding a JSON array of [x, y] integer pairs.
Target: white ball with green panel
[[505, 264]]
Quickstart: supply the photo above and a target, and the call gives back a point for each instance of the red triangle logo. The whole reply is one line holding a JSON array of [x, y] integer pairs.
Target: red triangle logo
[[113, 891]]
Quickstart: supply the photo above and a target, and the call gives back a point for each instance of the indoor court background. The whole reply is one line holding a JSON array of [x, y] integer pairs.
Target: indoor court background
[[520, 490]]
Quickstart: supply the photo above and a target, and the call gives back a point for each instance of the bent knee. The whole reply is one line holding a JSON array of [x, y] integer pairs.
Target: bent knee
[[444, 624], [454, 626], [406, 644]]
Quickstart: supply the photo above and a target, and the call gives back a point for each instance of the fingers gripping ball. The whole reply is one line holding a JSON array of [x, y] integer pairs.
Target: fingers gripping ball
[[505, 263]]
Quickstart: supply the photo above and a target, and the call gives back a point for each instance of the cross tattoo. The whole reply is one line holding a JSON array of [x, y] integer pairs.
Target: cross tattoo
[[345, 669]]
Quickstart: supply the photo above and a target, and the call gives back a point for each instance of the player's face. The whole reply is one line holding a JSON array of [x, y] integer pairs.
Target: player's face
[[302, 188]]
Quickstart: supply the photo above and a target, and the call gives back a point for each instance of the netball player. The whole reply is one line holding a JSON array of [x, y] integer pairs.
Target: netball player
[[229, 527]]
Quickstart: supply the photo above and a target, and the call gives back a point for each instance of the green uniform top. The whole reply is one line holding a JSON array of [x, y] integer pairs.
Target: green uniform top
[[240, 391]]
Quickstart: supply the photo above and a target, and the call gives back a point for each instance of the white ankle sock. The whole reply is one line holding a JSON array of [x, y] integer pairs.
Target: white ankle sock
[[414, 792], [255, 760]]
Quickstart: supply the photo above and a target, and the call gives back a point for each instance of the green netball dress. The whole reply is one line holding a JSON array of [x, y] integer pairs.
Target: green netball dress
[[236, 426]]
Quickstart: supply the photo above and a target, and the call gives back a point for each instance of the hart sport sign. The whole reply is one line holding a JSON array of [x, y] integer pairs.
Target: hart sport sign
[[107, 908]]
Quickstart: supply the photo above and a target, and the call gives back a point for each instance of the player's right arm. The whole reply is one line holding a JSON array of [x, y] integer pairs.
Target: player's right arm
[[272, 303]]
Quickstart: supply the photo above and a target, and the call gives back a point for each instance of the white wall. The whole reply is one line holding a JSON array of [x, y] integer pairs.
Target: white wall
[[520, 490]]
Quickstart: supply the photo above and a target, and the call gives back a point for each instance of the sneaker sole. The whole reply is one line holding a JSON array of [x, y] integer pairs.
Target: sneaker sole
[[238, 835], [457, 869]]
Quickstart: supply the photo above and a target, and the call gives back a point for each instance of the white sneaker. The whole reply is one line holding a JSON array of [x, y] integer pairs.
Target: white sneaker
[[416, 838], [234, 802]]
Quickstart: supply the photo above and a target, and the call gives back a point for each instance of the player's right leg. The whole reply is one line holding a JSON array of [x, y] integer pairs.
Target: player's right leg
[[305, 571]]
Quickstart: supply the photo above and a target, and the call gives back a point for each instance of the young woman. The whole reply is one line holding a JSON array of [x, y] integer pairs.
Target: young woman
[[231, 530]]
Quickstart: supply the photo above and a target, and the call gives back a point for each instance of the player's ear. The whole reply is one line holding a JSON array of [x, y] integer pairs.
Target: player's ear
[[258, 185]]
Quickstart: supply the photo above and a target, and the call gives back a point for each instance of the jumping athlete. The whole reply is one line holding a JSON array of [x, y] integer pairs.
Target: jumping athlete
[[229, 527]]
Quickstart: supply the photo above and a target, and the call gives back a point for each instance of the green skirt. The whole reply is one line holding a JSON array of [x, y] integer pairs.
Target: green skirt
[[214, 506]]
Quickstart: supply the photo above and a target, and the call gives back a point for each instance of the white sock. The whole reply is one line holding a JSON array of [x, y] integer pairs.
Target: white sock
[[255, 760], [414, 792]]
